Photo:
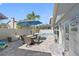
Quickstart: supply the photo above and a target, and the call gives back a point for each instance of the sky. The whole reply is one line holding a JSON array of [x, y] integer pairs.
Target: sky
[[20, 10]]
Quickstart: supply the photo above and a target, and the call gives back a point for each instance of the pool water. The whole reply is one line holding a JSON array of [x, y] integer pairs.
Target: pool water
[[3, 43]]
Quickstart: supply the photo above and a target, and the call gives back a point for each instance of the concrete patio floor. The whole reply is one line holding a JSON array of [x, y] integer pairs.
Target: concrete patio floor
[[43, 47], [13, 50]]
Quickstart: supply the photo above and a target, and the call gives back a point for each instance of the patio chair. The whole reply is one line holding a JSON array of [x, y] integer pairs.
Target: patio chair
[[22, 39], [27, 40]]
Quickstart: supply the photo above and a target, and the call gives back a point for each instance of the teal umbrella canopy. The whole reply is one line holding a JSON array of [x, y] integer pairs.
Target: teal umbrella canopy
[[28, 23]]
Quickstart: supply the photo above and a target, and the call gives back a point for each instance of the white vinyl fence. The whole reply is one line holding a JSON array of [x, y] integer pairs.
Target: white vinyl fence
[[4, 33]]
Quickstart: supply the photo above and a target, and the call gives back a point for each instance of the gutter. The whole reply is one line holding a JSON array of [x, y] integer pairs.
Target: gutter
[[55, 14]]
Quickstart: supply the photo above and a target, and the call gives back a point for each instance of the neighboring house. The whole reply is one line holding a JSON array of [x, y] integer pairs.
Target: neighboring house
[[67, 27], [12, 24]]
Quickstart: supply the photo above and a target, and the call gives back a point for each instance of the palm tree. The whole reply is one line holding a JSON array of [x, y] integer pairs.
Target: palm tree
[[32, 16]]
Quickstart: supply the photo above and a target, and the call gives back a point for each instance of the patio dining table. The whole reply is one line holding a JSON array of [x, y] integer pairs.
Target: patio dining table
[[29, 40]]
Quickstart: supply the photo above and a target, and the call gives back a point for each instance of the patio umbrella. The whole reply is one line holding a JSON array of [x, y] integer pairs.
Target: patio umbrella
[[3, 16], [28, 23], [31, 24]]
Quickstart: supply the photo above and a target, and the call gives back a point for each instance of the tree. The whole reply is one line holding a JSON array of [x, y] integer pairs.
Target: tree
[[32, 16]]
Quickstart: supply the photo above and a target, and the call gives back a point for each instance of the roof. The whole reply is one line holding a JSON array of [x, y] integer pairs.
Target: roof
[[64, 11], [3, 16]]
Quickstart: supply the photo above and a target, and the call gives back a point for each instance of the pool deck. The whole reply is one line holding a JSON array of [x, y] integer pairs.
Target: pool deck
[[14, 50]]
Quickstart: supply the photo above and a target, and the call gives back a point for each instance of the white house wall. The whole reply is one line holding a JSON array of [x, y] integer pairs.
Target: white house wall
[[74, 39], [73, 36]]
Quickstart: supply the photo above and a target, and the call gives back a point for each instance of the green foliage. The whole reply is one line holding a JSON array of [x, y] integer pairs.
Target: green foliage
[[19, 27], [32, 16]]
